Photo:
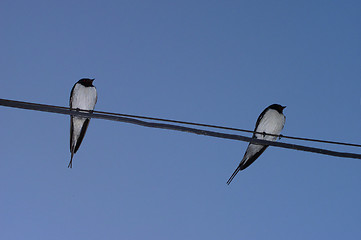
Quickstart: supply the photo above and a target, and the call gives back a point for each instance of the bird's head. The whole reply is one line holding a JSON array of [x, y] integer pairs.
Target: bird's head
[[277, 107], [87, 82]]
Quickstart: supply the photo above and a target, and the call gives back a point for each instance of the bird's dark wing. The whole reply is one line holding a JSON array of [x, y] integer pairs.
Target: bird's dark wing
[[244, 164], [71, 132], [71, 96], [259, 119], [71, 118], [81, 136]]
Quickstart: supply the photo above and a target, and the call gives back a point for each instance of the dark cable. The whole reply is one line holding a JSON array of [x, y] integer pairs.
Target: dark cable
[[206, 125], [67, 111], [230, 128]]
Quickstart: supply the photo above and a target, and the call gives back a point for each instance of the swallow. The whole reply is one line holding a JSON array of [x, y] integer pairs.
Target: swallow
[[83, 96], [271, 121]]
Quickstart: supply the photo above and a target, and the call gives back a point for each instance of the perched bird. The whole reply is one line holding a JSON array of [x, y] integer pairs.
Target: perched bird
[[83, 96], [270, 121]]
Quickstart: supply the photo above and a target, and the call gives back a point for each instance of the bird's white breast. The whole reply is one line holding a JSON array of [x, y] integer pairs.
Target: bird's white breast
[[272, 122], [84, 97]]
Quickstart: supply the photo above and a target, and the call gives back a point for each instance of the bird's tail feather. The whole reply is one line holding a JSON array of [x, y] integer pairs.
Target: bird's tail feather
[[71, 160], [233, 175]]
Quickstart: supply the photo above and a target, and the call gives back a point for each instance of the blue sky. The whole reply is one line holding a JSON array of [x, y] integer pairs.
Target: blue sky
[[215, 62]]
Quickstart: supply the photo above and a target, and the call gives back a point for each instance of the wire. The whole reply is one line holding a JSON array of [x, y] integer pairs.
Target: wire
[[230, 128], [82, 113], [207, 125]]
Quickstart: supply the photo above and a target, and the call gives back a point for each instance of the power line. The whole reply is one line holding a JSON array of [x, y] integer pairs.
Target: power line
[[229, 128], [114, 117], [205, 125]]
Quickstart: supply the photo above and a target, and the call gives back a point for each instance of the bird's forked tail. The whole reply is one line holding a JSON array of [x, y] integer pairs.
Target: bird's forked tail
[[71, 160], [233, 175]]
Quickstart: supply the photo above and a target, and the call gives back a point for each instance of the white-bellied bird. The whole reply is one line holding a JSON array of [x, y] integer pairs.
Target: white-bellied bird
[[270, 121], [83, 96]]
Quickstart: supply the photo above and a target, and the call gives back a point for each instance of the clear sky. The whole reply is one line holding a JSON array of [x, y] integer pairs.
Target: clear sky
[[215, 62]]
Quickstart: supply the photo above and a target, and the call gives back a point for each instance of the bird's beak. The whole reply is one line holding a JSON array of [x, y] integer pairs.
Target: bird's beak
[[92, 80], [284, 107]]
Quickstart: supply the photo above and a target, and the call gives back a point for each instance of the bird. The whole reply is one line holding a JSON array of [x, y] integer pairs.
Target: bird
[[83, 96], [271, 121]]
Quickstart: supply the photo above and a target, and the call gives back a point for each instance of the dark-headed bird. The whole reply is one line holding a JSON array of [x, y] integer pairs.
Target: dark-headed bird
[[83, 96], [270, 121]]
